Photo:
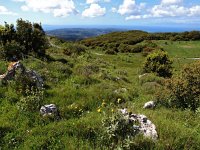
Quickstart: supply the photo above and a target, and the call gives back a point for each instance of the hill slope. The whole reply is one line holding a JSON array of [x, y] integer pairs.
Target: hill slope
[[85, 87]]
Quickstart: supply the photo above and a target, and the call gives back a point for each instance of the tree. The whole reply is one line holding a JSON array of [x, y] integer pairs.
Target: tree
[[24, 35], [159, 63], [7, 33], [39, 41]]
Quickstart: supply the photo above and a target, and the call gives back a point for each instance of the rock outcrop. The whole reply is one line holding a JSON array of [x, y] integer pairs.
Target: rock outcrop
[[146, 127], [32, 75]]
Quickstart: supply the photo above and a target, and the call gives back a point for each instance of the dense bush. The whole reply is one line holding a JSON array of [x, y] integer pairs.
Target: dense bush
[[185, 90], [74, 49], [12, 51], [159, 63], [26, 38]]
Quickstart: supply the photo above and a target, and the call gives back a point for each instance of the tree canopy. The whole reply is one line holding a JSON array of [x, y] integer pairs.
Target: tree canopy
[[26, 38]]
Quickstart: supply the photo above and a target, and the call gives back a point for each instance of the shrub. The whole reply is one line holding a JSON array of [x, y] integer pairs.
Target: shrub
[[136, 48], [74, 49], [12, 51], [110, 52], [31, 102], [159, 63], [124, 48], [185, 90]]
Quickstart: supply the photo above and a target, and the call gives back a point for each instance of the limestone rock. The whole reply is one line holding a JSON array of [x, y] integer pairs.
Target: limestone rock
[[18, 67], [150, 104], [146, 127], [48, 110]]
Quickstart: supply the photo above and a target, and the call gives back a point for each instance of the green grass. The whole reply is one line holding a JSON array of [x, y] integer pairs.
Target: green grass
[[72, 88]]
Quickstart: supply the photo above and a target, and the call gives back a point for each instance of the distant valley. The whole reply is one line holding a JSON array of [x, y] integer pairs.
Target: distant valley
[[76, 34]]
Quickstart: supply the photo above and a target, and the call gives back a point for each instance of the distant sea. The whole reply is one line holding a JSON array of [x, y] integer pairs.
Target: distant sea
[[124, 28]]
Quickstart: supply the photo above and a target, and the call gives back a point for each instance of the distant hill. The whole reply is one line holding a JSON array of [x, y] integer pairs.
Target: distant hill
[[127, 37], [77, 34]]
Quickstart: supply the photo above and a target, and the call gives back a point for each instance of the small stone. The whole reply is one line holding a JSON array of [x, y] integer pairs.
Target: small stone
[[150, 104], [48, 110]]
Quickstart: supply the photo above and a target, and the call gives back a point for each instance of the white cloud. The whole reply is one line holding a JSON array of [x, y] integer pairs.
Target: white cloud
[[171, 2], [96, 1], [5, 11], [94, 10], [129, 7], [59, 8], [167, 8], [132, 17], [195, 11], [168, 11], [92, 1]]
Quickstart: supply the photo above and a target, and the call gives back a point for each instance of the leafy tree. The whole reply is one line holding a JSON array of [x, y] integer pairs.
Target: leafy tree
[[159, 63], [7, 33], [39, 41], [24, 34], [13, 51]]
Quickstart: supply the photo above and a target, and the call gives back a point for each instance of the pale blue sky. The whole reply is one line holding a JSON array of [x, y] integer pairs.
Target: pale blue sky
[[103, 12]]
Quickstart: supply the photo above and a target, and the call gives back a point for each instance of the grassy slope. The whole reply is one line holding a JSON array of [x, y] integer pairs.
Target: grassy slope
[[177, 129]]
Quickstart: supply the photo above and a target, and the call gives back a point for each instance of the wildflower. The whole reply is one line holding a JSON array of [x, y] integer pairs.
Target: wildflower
[[99, 110], [112, 110]]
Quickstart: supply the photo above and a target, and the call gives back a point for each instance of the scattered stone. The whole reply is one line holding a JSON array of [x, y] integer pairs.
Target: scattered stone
[[146, 127], [48, 110], [150, 104]]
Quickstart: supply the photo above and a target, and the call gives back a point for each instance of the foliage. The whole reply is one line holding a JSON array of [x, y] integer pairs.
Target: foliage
[[185, 89], [158, 62], [113, 78], [13, 51], [118, 130], [74, 49], [26, 38], [31, 101]]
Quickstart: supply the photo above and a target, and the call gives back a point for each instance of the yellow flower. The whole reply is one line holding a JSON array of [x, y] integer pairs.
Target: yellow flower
[[99, 110], [112, 110]]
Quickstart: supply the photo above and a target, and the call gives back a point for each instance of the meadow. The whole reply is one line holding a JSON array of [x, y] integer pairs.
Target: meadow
[[79, 84]]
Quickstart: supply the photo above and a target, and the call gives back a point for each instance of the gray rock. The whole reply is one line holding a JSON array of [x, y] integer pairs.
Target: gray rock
[[18, 67], [49, 110], [146, 127], [150, 104]]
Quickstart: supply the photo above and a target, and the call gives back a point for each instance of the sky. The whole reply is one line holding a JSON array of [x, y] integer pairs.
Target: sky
[[171, 13]]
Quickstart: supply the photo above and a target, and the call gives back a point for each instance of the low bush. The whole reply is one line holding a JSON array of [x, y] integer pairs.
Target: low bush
[[31, 102], [185, 90], [74, 49], [159, 63]]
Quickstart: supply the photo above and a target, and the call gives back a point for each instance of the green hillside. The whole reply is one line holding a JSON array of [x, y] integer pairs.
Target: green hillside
[[87, 85]]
